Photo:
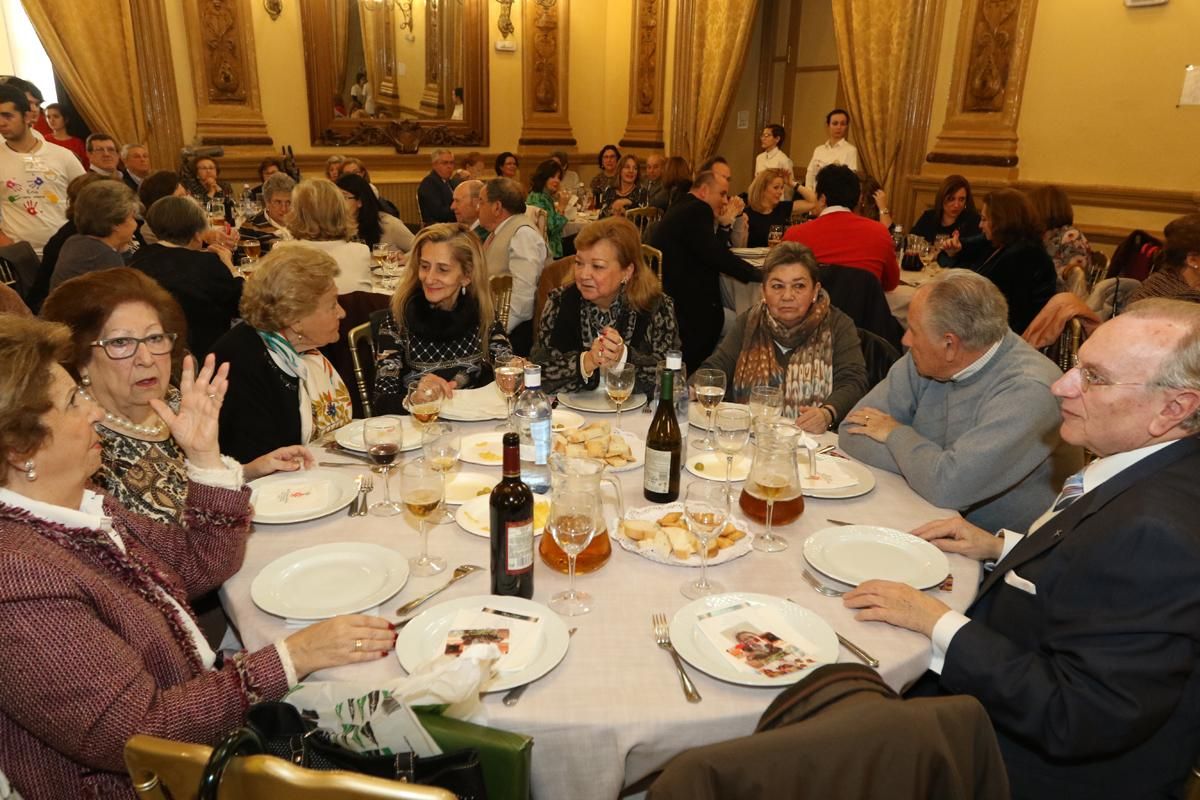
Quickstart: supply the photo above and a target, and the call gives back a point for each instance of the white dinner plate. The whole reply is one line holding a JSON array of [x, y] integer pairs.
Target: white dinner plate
[[482, 448], [425, 637], [698, 650], [866, 481], [299, 496], [563, 420], [652, 513], [637, 448], [699, 419], [328, 580], [750, 252], [711, 466], [856, 553], [597, 401], [350, 436], [474, 517], [465, 486]]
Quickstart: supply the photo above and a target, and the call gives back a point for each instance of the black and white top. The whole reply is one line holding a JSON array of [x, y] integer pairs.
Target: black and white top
[[147, 478]]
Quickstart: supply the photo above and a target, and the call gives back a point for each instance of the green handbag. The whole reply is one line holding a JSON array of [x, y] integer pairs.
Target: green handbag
[[506, 757]]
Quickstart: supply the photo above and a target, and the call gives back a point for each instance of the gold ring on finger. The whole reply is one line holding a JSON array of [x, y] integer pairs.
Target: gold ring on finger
[[357, 645]]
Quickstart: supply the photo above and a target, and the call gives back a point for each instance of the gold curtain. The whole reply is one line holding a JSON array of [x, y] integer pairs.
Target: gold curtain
[[372, 27], [93, 54], [874, 42], [718, 33], [339, 35]]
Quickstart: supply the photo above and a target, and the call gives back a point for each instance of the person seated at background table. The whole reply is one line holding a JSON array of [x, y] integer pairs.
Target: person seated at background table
[[676, 182], [608, 160], [466, 206], [333, 167], [436, 190], [41, 284], [202, 280], [797, 340], [614, 313], [440, 328], [839, 236], [952, 215], [142, 328], [319, 220], [371, 223], [515, 247], [277, 206], [473, 166], [1019, 264], [570, 178], [105, 214], [208, 178], [354, 166], [507, 166], [157, 185], [97, 634], [1067, 247], [626, 192], [835, 150], [545, 193], [266, 168], [1082, 642], [282, 389], [966, 416], [652, 174], [766, 208]]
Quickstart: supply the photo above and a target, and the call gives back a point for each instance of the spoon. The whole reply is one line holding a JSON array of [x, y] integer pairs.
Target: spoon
[[460, 572]]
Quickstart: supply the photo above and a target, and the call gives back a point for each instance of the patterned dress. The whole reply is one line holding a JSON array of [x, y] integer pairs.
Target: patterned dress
[[147, 478]]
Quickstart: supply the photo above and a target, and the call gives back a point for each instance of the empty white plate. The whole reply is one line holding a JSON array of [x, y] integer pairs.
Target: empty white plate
[[299, 496], [328, 580], [856, 553]]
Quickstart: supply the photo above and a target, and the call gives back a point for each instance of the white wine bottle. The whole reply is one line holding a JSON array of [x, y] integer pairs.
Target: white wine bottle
[[664, 444]]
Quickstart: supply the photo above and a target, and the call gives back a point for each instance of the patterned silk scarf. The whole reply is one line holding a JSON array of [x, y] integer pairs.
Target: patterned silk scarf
[[324, 399], [808, 376]]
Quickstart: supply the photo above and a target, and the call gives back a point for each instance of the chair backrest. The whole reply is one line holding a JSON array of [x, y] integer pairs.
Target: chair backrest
[[654, 259], [501, 288], [358, 307], [357, 337], [859, 295], [19, 265], [1075, 279], [1063, 351], [1096, 269], [557, 273], [643, 217], [7, 275], [163, 769], [879, 355]]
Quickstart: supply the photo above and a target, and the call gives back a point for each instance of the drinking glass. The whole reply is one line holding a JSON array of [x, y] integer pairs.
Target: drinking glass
[[773, 477], [733, 434], [424, 402], [572, 523], [710, 391], [927, 253], [440, 444], [379, 254], [509, 372], [423, 497], [252, 248], [706, 507], [245, 266], [618, 382], [216, 212], [766, 403], [774, 235], [383, 437]]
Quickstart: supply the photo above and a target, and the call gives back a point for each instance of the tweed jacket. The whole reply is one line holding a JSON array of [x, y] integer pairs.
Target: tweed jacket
[[87, 661]]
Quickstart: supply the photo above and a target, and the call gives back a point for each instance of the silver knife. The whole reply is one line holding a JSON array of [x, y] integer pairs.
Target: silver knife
[[514, 694], [858, 652]]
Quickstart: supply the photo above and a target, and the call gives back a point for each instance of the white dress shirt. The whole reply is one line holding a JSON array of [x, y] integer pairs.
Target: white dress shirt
[[825, 154], [526, 258], [772, 159]]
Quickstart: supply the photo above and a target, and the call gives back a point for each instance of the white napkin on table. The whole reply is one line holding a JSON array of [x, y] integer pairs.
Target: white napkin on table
[[486, 402], [830, 475]]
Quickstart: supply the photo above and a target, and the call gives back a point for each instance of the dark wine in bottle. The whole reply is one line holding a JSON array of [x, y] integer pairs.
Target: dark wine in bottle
[[664, 445], [511, 514]]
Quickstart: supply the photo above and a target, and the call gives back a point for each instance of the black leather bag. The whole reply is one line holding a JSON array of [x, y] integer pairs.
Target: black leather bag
[[278, 729]]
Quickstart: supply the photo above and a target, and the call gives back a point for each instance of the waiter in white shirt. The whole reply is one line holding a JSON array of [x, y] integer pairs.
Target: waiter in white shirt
[[772, 157], [835, 150]]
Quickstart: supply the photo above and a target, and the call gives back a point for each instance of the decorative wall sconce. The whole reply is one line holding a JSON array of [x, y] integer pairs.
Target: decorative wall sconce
[[505, 22], [405, 7], [274, 8]]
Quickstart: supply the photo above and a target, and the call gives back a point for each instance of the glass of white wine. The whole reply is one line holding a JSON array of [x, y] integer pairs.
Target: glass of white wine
[[440, 444], [423, 496], [572, 523], [383, 437], [706, 507], [618, 382], [773, 478], [509, 372], [766, 403], [710, 391], [733, 434], [424, 402]]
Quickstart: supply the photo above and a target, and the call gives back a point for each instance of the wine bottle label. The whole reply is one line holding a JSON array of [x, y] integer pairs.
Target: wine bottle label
[[519, 545], [657, 470]]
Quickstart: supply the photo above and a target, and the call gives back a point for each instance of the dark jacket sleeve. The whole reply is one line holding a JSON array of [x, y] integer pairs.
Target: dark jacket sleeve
[[705, 247]]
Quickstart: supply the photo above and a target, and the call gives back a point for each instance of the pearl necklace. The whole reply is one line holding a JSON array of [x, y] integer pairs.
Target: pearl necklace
[[118, 421]]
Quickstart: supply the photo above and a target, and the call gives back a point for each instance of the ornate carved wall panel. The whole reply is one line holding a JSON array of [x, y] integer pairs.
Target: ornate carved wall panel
[[544, 73], [224, 72], [646, 76]]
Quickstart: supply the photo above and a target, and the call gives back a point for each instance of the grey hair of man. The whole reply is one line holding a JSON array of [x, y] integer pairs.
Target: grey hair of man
[[968, 305], [473, 188], [279, 183], [131, 146], [1180, 368], [508, 192], [785, 254], [441, 151]]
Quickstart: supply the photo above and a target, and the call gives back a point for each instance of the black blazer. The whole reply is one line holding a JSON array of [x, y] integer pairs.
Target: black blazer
[[434, 197], [202, 285], [693, 260], [261, 411], [1025, 274], [1093, 683]]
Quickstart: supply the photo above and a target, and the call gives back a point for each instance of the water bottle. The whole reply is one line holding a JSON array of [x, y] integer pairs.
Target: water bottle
[[898, 242], [532, 413]]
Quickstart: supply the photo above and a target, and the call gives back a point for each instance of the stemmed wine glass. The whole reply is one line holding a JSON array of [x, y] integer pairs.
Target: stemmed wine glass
[[440, 444], [773, 477], [509, 372], [572, 523], [383, 437], [618, 382], [733, 434], [425, 402], [766, 403], [706, 507], [423, 496], [710, 391]]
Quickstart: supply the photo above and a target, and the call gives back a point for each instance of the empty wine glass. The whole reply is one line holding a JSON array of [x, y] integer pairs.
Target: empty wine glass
[[706, 507], [733, 434], [710, 391], [424, 402], [440, 444], [423, 496], [766, 403], [383, 437], [572, 523], [618, 382], [509, 372]]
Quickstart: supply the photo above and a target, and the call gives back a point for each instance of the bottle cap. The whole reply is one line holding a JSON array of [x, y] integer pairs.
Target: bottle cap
[[674, 359], [533, 376]]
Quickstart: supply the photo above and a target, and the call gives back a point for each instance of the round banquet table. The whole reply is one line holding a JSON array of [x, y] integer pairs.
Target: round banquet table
[[613, 711]]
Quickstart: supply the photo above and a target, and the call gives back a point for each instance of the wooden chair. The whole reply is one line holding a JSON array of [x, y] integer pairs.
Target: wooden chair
[[1076, 281], [357, 337], [643, 217], [501, 288], [654, 259], [1096, 270], [163, 769], [539, 217], [556, 274]]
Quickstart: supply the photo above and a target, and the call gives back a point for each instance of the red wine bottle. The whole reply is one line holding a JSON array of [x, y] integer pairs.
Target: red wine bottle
[[511, 518], [664, 443]]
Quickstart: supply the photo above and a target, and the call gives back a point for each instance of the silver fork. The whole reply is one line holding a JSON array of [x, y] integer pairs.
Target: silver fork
[[367, 485], [353, 510], [812, 581], [662, 637]]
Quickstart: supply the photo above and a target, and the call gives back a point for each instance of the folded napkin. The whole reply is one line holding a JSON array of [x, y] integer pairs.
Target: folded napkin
[[518, 637], [471, 405], [757, 639], [830, 475]]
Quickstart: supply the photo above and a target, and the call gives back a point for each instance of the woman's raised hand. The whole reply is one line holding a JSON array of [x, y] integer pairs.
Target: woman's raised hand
[[195, 427]]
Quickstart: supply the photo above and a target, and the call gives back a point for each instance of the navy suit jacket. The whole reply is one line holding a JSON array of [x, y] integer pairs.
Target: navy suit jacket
[[1093, 681], [434, 197]]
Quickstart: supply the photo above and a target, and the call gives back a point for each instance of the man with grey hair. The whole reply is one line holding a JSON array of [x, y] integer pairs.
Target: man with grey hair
[[104, 156], [514, 246], [966, 416], [1082, 641], [436, 193], [466, 206], [136, 158]]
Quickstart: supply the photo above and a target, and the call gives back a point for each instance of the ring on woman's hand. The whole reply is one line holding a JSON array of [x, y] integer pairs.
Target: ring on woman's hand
[[212, 397], [357, 645], [867, 418]]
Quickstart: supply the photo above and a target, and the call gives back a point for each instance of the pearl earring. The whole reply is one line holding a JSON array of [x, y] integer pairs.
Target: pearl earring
[[462, 290], [30, 472], [85, 379]]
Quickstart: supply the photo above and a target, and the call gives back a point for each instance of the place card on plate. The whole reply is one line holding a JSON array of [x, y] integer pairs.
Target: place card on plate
[[298, 497], [756, 639], [830, 475], [518, 636]]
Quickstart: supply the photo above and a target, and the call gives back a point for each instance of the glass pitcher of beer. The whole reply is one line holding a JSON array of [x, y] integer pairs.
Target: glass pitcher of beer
[[771, 494], [573, 473]]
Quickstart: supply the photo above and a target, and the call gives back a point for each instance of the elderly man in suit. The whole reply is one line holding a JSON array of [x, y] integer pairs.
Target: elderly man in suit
[[1084, 642]]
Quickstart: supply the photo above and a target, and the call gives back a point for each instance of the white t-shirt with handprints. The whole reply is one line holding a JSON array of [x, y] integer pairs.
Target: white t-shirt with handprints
[[33, 192]]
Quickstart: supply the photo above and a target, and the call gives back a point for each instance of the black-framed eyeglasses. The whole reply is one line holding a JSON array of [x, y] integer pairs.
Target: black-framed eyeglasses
[[119, 347]]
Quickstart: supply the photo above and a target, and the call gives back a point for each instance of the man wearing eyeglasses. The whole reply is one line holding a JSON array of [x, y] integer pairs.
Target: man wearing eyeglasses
[[967, 416], [1083, 644], [104, 156], [436, 192]]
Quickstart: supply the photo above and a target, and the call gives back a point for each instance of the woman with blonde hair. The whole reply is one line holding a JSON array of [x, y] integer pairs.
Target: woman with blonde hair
[[614, 313], [320, 220], [440, 328], [765, 206], [282, 390]]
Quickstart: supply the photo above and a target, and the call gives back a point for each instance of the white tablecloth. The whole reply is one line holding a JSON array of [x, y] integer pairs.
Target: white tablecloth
[[613, 711]]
